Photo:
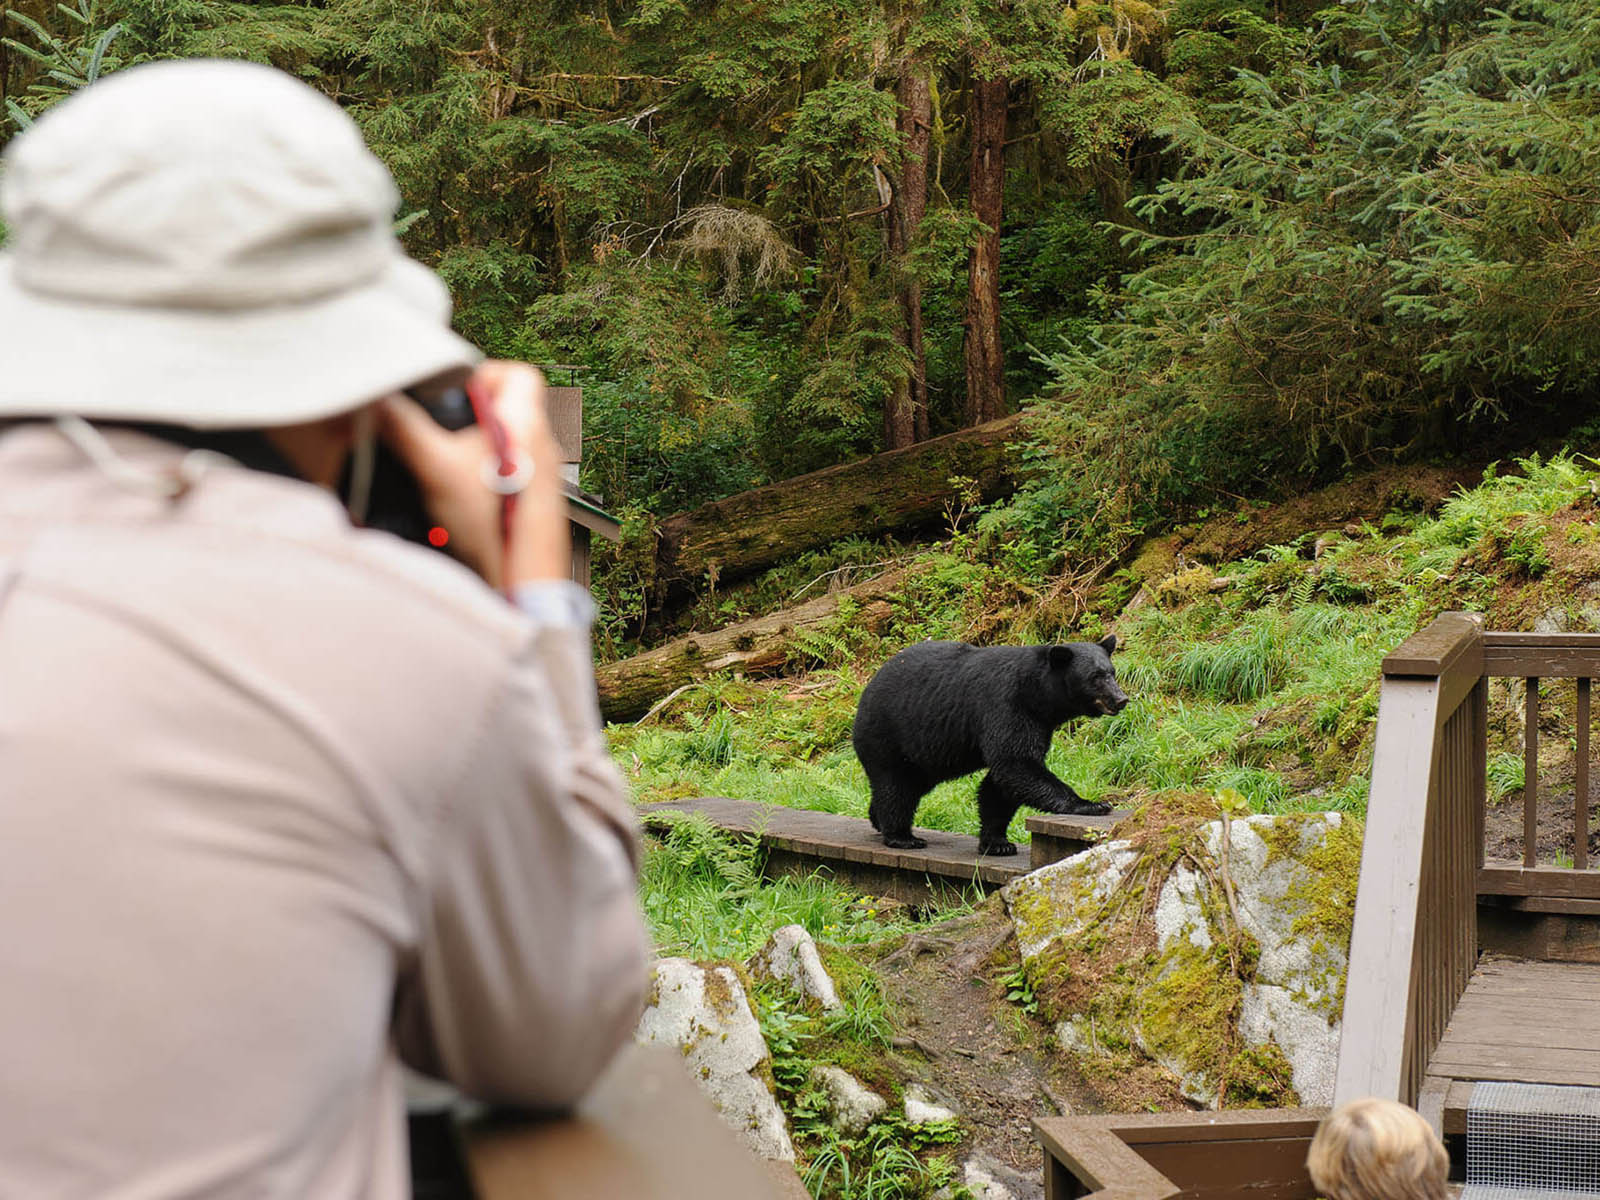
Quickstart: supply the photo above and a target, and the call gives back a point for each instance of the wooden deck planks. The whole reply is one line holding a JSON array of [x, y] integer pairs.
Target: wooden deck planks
[[832, 837], [1520, 1022]]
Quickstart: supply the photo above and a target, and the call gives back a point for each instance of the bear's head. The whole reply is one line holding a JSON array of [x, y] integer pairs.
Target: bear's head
[[1080, 680]]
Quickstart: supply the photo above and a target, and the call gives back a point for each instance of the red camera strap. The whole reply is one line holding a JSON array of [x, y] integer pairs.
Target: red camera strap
[[500, 443]]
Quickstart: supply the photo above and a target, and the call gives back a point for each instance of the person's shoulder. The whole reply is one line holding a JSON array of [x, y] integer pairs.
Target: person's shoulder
[[366, 569]]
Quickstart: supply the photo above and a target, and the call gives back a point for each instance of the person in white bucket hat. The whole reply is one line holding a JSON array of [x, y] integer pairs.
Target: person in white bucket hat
[[284, 802]]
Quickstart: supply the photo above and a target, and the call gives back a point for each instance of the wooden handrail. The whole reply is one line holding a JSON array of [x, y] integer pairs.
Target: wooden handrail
[[645, 1132], [1415, 933], [1535, 657], [1155, 1156], [1414, 943]]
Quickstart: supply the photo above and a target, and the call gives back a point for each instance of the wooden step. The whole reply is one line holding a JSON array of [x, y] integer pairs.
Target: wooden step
[[1519, 1021], [1056, 837], [800, 840]]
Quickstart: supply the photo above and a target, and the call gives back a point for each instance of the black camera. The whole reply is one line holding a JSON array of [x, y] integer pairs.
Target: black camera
[[394, 502]]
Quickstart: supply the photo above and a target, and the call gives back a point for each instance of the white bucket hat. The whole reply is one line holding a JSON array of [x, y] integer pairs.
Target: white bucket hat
[[207, 244]]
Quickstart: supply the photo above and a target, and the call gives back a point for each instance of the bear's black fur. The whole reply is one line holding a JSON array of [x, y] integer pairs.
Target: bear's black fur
[[939, 710]]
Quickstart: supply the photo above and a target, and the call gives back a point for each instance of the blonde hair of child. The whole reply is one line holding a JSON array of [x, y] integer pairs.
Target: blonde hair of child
[[1378, 1150]]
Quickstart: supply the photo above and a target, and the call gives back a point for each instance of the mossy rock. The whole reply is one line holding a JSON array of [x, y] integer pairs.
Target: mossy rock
[[1216, 947]]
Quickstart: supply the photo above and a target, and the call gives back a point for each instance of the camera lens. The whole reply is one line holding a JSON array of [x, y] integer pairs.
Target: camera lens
[[451, 408]]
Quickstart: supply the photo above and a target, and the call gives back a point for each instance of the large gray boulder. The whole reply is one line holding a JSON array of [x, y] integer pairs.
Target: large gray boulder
[[1291, 1001], [1249, 917], [703, 1012]]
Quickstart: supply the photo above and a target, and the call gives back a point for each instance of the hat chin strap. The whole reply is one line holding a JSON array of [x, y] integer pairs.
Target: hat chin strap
[[363, 459], [171, 483]]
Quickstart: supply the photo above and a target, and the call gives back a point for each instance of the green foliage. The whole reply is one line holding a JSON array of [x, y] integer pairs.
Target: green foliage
[[1505, 774], [1238, 668], [891, 1158], [1019, 990], [1525, 549], [1372, 244], [703, 897], [64, 62]]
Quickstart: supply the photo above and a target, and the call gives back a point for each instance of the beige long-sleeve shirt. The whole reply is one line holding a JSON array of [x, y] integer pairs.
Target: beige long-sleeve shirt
[[280, 803]]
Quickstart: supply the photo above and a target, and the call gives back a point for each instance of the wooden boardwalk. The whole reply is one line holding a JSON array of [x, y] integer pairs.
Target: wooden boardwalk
[[800, 840], [1520, 1021]]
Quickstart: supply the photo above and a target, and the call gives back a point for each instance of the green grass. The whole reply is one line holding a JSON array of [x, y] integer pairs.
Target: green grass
[[1268, 687], [704, 899], [1223, 724]]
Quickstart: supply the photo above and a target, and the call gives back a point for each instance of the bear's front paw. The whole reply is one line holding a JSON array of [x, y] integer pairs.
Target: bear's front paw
[[906, 842], [998, 849], [1090, 808]]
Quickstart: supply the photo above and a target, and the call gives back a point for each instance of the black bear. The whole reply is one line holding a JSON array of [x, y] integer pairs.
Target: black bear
[[939, 710]]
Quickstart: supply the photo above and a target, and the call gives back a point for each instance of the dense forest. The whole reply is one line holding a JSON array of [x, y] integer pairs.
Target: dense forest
[[1268, 294], [1215, 244]]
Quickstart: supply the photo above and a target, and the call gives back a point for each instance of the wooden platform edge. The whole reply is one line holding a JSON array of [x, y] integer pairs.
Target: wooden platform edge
[[965, 867], [1081, 827]]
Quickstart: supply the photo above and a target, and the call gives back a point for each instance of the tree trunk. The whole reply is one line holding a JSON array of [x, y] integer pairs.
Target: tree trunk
[[906, 420], [895, 492], [984, 359], [763, 646]]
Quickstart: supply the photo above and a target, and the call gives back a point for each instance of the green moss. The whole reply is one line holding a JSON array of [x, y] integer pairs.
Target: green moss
[[720, 994], [1157, 557], [1174, 591], [1187, 1012], [1260, 1077], [1325, 894]]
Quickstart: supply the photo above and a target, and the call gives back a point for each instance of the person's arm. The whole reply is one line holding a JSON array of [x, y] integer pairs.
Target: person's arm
[[532, 967]]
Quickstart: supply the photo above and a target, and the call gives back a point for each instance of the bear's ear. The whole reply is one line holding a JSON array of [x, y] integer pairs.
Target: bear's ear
[[1060, 657], [1109, 643]]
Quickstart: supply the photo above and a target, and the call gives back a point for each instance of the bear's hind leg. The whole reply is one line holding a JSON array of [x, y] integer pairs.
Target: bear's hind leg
[[995, 810], [895, 796]]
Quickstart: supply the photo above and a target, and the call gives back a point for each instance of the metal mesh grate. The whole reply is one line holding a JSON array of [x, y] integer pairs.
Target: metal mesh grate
[[1531, 1140]]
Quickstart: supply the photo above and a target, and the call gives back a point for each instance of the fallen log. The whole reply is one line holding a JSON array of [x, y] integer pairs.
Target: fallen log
[[761, 646], [896, 492]]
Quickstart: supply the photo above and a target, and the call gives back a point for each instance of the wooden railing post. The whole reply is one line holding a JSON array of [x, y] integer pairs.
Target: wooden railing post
[[1415, 914], [1530, 776], [1580, 791]]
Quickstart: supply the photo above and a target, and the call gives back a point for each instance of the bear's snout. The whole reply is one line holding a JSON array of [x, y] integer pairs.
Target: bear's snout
[[1112, 702]]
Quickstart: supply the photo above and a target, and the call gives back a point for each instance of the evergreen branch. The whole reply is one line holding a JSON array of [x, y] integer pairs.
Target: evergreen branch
[[406, 222], [28, 51], [100, 47], [22, 119], [28, 23]]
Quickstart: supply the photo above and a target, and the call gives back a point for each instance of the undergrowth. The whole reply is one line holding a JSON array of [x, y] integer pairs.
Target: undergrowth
[[1263, 680], [704, 898], [891, 1159], [1256, 678]]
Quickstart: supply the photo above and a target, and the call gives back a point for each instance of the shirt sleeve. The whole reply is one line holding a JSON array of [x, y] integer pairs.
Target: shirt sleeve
[[560, 603], [532, 967]]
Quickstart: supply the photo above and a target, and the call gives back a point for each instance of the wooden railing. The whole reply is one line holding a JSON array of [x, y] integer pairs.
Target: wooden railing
[[1415, 940], [1244, 1155], [1536, 656], [645, 1132]]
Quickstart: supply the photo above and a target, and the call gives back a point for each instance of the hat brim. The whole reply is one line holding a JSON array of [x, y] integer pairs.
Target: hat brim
[[224, 369]]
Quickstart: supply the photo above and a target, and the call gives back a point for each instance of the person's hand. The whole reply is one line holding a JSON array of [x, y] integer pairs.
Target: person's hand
[[448, 467]]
